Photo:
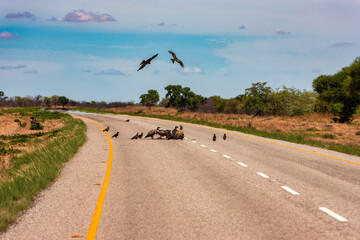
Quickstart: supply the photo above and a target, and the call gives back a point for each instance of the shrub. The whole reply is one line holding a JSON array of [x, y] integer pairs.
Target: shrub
[[296, 111], [36, 126], [331, 136], [357, 133]]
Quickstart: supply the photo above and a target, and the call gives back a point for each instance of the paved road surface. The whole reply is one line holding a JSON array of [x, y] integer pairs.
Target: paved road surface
[[246, 187]]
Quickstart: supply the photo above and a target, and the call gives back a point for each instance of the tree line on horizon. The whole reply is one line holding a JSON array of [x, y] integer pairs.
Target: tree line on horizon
[[338, 94]]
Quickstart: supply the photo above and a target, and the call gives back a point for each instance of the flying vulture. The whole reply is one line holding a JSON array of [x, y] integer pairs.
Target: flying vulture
[[144, 63], [176, 59]]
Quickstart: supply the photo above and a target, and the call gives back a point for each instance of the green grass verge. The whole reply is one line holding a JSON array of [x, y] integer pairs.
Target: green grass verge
[[32, 172], [290, 137]]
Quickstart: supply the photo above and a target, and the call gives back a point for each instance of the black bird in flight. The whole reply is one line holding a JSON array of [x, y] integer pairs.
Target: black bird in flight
[[106, 129], [176, 59], [224, 137], [115, 135], [214, 137], [144, 63]]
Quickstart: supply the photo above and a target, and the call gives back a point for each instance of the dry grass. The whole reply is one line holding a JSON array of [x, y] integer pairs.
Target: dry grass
[[10, 128], [316, 126]]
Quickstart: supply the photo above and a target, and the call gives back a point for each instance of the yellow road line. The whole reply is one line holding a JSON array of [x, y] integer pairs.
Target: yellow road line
[[99, 205]]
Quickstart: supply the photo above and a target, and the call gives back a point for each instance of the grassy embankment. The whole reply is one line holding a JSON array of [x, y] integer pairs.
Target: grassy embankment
[[31, 171], [309, 136]]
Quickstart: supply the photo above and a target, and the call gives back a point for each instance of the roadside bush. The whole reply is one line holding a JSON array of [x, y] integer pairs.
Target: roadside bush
[[36, 126], [331, 136], [297, 112]]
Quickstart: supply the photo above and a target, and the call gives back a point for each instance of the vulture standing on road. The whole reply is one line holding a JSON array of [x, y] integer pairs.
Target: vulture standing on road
[[127, 120], [214, 137], [224, 137], [152, 133], [115, 135], [135, 137], [106, 129], [141, 135], [174, 131], [181, 127], [144, 63], [176, 59]]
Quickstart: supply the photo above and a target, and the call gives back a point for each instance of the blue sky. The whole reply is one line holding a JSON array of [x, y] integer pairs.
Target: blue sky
[[91, 50]]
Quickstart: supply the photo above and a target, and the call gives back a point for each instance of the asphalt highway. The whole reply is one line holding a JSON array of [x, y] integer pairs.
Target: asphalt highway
[[245, 187]]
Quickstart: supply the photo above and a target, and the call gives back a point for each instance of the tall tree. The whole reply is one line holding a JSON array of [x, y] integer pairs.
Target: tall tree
[[183, 98], [258, 98], [341, 90], [63, 101], [47, 101], [38, 99], [150, 98]]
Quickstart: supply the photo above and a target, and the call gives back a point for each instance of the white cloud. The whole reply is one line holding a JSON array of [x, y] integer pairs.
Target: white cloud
[[190, 70]]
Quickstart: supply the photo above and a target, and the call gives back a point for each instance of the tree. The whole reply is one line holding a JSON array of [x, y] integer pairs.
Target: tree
[[175, 97], [19, 100], [47, 102], [341, 91], [150, 98], [63, 101], [219, 103], [38, 99], [258, 98], [2, 97], [233, 105], [183, 98]]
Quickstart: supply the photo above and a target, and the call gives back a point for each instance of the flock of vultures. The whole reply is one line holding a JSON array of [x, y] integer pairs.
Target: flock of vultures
[[167, 133]]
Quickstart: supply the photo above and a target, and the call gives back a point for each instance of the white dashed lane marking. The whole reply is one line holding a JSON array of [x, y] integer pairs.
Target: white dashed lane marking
[[334, 215], [290, 190], [286, 188], [242, 164], [263, 175]]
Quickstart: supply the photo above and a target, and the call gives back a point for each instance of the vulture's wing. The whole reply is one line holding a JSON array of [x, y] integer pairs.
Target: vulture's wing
[[142, 66], [153, 57], [173, 54], [181, 64]]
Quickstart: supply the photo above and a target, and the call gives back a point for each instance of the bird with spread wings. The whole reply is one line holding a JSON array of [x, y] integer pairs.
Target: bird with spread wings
[[176, 59], [144, 63]]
